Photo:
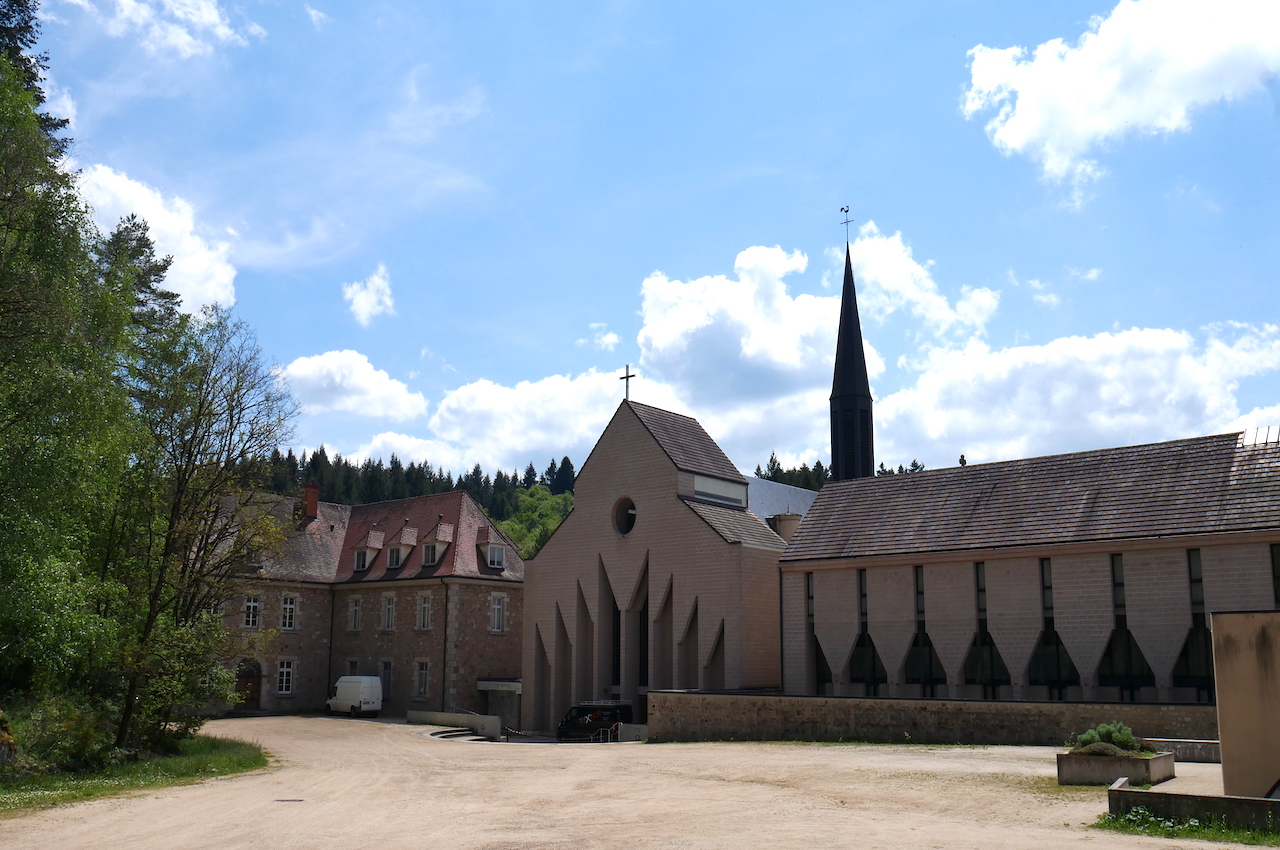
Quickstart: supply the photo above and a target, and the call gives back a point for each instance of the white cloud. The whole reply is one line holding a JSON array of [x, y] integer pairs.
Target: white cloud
[[1048, 299], [59, 102], [370, 297], [1084, 274], [1142, 69], [345, 381], [1072, 393], [420, 119], [201, 272], [601, 337], [293, 249], [891, 279], [185, 27], [317, 17]]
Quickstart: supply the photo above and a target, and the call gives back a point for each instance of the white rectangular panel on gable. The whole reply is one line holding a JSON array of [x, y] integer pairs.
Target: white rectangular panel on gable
[[717, 489]]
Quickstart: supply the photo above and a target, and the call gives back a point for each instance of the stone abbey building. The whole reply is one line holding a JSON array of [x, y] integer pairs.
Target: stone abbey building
[[424, 592]]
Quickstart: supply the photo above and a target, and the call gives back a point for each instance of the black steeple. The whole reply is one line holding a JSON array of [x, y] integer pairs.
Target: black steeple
[[852, 438]]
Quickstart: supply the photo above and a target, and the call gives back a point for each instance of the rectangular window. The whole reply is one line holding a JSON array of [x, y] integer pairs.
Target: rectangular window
[[420, 690], [498, 613], [496, 557], [1046, 587], [862, 600], [919, 577], [424, 612], [251, 612], [980, 588], [1117, 583], [1195, 579], [362, 560], [428, 554], [393, 557], [353, 614], [386, 679], [353, 667], [284, 677], [808, 595], [288, 608], [388, 613]]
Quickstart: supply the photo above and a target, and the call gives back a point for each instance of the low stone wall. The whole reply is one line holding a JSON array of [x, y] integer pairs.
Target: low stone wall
[[486, 725], [1233, 812], [686, 716], [1205, 752]]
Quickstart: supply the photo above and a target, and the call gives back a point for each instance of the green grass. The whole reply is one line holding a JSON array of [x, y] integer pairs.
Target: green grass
[[197, 758], [1139, 821]]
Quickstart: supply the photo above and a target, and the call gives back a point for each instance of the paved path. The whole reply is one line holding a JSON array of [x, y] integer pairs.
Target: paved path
[[337, 782]]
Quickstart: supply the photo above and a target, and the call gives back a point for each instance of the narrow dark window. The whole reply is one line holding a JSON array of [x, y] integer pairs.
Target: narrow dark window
[[1194, 667], [980, 588], [616, 679], [919, 576], [1046, 590], [862, 601], [1051, 664], [1123, 665], [983, 665], [1117, 584], [864, 417], [1275, 572], [924, 667], [808, 595]]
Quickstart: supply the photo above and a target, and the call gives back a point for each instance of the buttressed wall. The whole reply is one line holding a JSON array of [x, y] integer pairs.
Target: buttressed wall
[[657, 579]]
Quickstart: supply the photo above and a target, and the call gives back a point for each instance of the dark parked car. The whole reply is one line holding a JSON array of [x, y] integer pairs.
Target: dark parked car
[[592, 720]]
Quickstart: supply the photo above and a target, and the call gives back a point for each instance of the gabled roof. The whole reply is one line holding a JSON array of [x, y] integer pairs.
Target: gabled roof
[[737, 525], [1195, 486], [689, 446]]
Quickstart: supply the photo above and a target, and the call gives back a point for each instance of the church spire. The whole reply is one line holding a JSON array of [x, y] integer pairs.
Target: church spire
[[852, 439]]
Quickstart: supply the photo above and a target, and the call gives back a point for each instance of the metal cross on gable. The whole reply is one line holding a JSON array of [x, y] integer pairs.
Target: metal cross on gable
[[627, 375]]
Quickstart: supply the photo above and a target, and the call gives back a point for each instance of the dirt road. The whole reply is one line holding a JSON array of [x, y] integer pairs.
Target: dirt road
[[337, 782]]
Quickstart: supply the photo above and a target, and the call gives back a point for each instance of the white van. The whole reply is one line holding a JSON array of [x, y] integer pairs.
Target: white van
[[356, 695]]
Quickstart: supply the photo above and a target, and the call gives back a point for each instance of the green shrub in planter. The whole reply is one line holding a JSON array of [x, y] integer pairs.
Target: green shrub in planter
[[1117, 740]]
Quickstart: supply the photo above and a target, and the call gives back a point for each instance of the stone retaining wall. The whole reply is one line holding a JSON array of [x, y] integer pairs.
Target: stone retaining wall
[[686, 716], [1232, 812]]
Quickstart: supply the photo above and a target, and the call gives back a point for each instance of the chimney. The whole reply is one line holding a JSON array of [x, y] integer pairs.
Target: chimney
[[785, 525], [313, 500]]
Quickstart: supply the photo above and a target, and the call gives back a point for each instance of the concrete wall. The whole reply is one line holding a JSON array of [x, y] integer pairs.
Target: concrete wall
[[671, 556], [1157, 588], [1246, 664], [675, 716]]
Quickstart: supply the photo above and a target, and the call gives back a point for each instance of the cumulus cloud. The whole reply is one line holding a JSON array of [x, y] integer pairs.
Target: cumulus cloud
[[1072, 393], [345, 381], [891, 279], [370, 297], [317, 17], [1142, 69], [601, 337], [184, 27], [202, 272], [1084, 274]]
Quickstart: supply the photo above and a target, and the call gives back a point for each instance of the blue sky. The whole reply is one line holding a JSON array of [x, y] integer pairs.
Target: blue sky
[[451, 225]]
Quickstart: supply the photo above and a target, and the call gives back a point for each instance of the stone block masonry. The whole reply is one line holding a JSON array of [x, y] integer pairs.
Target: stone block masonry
[[684, 716]]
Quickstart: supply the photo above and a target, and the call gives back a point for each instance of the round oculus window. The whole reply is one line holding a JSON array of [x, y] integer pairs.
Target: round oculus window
[[624, 516]]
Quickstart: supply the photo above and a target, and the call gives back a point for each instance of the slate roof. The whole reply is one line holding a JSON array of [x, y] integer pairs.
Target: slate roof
[[311, 550], [686, 443], [1195, 486], [737, 525]]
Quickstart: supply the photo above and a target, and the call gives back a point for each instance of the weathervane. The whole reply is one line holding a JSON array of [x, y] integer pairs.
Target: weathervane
[[847, 221], [627, 375]]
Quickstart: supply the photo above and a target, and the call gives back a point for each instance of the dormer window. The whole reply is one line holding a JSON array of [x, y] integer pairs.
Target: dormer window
[[362, 559], [496, 557], [429, 555], [393, 557]]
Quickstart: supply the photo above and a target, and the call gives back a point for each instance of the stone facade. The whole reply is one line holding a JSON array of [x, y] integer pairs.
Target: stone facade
[[431, 623], [677, 716]]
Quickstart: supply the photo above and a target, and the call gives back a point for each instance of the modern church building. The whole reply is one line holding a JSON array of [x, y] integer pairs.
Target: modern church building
[[1086, 576]]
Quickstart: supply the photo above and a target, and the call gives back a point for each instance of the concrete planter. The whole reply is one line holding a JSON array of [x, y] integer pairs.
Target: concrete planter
[[1081, 769]]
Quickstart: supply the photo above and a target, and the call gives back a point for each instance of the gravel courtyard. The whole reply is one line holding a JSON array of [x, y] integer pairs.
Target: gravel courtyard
[[361, 783]]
